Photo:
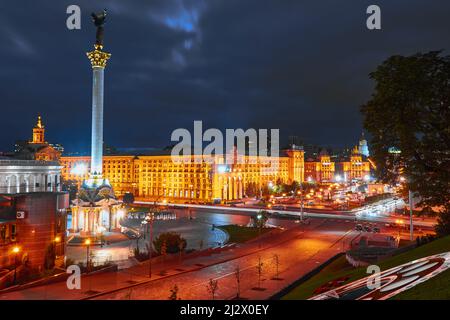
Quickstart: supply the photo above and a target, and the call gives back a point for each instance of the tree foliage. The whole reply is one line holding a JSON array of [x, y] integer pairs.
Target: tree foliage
[[128, 198], [410, 111], [169, 242], [260, 219]]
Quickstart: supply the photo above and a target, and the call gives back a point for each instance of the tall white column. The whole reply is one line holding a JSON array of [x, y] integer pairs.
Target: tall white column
[[98, 60], [97, 121]]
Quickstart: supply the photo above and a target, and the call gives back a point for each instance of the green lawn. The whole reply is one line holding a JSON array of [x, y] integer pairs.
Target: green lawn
[[436, 288], [240, 234]]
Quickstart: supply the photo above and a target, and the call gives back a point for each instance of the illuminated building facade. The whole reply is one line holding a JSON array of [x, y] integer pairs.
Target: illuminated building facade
[[32, 210], [32, 225], [23, 176], [190, 179], [321, 170], [37, 148], [355, 167]]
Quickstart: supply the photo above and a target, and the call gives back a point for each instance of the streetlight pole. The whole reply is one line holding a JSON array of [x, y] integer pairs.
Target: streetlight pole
[[302, 202], [410, 200], [88, 245], [411, 226], [15, 251], [150, 218], [259, 217]]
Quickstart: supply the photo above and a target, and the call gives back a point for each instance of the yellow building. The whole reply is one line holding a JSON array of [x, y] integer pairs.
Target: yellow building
[[321, 170], [37, 148], [355, 168], [189, 178], [119, 170]]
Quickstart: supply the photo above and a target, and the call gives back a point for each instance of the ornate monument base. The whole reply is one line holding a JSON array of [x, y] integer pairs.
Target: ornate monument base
[[96, 209]]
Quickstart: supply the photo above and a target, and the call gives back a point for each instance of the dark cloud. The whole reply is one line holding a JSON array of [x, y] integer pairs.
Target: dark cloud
[[301, 66]]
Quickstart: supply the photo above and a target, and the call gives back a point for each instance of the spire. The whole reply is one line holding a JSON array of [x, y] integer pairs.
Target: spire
[[38, 132], [39, 122], [362, 137]]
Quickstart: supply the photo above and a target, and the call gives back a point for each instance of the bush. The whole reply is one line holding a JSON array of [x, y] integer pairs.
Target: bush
[[260, 219], [172, 240], [128, 198], [443, 226]]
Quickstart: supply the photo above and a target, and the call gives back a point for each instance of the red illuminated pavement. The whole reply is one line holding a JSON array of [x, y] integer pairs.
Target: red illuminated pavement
[[299, 249]]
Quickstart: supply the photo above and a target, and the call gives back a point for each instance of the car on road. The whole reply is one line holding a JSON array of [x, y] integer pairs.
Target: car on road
[[359, 227], [376, 230], [367, 229]]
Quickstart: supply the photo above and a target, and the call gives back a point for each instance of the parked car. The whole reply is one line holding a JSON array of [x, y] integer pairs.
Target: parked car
[[367, 229], [376, 229], [359, 227]]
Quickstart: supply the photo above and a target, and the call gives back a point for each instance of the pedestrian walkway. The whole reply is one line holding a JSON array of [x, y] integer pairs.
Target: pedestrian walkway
[[299, 253]]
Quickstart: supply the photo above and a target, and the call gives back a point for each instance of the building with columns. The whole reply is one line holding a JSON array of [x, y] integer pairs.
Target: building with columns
[[32, 212], [24, 176]]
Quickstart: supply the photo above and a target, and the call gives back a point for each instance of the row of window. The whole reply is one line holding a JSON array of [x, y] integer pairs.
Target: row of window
[[7, 233]]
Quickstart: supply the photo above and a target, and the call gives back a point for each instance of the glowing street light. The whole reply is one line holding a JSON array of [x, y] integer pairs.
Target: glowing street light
[[149, 219], [55, 242], [15, 250], [87, 243]]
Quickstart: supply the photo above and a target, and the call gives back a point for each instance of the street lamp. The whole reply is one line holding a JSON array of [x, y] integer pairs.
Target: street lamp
[[15, 250], [410, 200], [87, 243], [302, 201], [55, 242], [259, 217], [149, 219], [400, 226]]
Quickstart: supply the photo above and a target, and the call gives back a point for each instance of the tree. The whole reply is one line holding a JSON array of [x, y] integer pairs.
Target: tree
[[128, 198], [260, 219], [237, 274], [410, 112], [50, 257], [212, 287], [174, 293], [172, 241], [259, 268], [276, 261], [251, 189]]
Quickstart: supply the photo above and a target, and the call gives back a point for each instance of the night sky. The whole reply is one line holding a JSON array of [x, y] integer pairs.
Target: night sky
[[301, 66]]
